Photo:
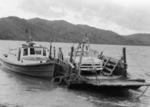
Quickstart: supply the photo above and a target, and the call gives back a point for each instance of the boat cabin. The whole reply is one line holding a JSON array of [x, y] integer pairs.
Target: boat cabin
[[32, 52]]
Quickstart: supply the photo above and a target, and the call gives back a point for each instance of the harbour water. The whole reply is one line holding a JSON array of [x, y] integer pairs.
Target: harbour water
[[18, 90]]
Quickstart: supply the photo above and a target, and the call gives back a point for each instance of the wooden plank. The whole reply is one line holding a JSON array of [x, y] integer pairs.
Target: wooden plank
[[111, 64], [114, 67], [113, 81], [102, 77], [112, 59], [108, 69], [118, 83], [106, 63], [110, 81]]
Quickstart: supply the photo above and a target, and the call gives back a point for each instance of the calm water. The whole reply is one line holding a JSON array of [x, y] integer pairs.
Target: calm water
[[25, 91]]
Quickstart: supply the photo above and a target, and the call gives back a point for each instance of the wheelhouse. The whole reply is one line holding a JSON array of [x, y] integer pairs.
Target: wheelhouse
[[34, 51]]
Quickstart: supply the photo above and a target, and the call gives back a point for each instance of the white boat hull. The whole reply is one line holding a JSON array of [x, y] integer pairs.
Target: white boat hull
[[45, 69]]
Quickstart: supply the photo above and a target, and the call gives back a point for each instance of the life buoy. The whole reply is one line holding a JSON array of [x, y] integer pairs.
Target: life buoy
[[57, 80]]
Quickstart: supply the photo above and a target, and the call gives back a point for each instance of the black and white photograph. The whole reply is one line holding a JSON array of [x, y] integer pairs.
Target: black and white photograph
[[74, 53]]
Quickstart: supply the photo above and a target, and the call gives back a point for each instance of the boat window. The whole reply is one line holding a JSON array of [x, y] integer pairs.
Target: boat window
[[25, 52], [32, 52], [44, 52], [35, 51]]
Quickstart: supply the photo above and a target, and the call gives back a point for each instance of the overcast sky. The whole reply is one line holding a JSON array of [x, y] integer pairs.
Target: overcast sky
[[121, 16]]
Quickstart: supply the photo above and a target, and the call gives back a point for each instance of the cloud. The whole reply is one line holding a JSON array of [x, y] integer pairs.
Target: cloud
[[136, 18], [11, 8], [46, 8], [118, 15]]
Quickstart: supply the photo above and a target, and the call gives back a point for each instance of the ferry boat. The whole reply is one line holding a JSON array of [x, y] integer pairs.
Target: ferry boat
[[30, 59]]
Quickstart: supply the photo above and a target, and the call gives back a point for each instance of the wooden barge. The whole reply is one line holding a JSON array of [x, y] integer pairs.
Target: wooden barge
[[113, 75]]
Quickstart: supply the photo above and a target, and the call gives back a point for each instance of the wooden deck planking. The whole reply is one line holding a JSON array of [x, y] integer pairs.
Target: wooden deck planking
[[115, 81]]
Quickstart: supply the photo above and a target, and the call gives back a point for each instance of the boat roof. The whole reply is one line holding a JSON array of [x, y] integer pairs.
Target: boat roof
[[32, 45]]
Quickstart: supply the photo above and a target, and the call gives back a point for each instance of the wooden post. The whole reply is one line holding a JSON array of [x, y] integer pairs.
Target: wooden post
[[19, 52], [125, 62], [100, 56], [124, 55], [50, 51], [71, 54], [54, 52], [71, 61]]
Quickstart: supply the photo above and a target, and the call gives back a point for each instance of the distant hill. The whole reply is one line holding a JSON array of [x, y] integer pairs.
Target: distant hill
[[142, 37], [13, 28]]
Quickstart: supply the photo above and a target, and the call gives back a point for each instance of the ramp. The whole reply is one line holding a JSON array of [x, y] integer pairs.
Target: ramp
[[103, 81]]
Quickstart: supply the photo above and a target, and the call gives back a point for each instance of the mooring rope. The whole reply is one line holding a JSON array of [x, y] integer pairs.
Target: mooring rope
[[143, 92], [141, 68]]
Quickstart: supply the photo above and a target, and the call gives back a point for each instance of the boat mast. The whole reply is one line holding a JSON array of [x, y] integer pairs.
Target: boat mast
[[80, 61], [88, 43], [28, 36]]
